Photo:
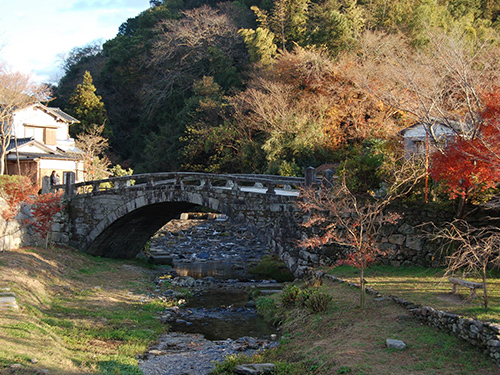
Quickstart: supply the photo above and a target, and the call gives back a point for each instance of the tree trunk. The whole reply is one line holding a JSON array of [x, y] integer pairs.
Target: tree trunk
[[46, 244], [2, 162], [485, 292], [362, 285], [461, 207]]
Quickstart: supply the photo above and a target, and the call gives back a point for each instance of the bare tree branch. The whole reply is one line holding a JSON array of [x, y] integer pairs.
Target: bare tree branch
[[474, 250], [17, 91]]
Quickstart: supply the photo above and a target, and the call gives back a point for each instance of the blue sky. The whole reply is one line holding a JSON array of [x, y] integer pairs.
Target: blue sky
[[35, 33]]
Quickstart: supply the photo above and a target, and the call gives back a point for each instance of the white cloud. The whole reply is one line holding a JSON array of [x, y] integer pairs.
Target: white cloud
[[34, 33]]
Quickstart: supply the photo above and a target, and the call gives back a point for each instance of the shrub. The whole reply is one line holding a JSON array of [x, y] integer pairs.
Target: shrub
[[15, 190], [293, 296], [44, 208], [289, 295], [271, 267], [318, 302], [230, 362], [303, 297], [266, 307], [253, 293]]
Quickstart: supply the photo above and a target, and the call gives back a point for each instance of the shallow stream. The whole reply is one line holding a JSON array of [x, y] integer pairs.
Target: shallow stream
[[222, 314], [217, 320]]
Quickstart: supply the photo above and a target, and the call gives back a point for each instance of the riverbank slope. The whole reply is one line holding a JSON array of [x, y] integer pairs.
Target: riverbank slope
[[74, 314]]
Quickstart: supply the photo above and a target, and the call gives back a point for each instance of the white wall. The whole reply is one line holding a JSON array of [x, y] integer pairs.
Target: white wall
[[35, 116]]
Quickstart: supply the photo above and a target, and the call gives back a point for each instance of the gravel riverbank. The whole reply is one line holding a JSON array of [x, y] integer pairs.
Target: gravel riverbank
[[191, 354]]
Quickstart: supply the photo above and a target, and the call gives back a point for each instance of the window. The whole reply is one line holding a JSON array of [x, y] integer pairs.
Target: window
[[49, 137], [35, 132]]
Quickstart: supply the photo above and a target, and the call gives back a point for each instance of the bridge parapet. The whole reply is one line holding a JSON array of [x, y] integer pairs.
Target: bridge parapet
[[267, 184]]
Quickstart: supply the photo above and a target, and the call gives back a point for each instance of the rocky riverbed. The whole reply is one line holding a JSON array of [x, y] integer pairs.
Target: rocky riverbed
[[195, 245], [192, 354], [214, 300]]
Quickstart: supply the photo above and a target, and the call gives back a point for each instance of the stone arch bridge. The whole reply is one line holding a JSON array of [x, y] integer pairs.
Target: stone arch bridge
[[117, 216]]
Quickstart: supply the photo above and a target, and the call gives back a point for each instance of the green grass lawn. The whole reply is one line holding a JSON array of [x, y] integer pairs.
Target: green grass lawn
[[428, 287], [78, 314]]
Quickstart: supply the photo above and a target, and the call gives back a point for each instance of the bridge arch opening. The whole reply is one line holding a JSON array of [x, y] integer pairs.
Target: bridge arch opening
[[126, 236]]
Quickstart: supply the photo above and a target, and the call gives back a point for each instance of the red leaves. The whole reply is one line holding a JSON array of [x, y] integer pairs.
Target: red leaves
[[43, 209], [356, 260], [16, 190], [469, 165]]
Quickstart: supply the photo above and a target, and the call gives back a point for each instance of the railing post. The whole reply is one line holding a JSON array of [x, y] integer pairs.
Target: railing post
[[235, 185], [205, 183], [270, 188], [178, 182], [328, 178], [232, 184], [69, 189], [310, 176]]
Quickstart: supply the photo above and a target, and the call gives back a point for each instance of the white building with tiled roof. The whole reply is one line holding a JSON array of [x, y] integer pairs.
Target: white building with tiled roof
[[41, 143], [432, 134]]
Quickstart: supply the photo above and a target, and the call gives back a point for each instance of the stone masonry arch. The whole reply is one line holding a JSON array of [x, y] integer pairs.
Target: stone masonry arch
[[118, 222]]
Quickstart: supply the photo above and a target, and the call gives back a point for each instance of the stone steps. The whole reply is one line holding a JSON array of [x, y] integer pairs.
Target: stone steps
[[8, 300]]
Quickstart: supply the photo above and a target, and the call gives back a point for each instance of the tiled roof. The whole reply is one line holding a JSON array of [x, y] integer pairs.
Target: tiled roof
[[455, 126], [34, 155], [61, 114], [20, 142]]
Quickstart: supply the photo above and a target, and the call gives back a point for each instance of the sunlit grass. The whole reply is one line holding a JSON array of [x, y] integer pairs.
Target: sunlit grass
[[428, 287], [79, 314]]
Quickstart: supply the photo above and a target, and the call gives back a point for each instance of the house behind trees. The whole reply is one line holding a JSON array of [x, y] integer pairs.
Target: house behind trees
[[430, 136], [41, 144]]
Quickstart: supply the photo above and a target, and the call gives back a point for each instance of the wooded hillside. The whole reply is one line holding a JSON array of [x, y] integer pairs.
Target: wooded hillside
[[258, 86]]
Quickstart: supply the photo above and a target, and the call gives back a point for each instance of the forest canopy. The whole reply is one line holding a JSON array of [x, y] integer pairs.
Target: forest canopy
[[273, 86]]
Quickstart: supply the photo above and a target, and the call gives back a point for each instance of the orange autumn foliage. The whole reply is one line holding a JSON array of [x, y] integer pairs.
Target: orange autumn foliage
[[472, 165]]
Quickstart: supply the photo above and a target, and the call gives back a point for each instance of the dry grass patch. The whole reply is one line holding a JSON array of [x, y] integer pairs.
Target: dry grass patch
[[348, 340], [79, 314], [427, 287]]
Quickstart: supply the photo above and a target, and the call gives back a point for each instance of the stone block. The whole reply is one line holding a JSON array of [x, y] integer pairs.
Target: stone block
[[406, 229], [395, 344], [493, 343], [397, 239], [414, 242], [387, 246]]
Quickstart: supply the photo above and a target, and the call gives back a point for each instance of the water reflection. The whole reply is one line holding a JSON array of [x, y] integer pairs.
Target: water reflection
[[220, 314], [221, 271], [232, 320]]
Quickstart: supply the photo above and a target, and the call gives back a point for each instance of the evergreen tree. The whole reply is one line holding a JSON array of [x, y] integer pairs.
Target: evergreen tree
[[260, 44], [87, 107]]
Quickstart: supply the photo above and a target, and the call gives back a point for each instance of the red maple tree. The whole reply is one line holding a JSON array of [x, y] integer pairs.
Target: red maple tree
[[470, 165], [16, 190], [43, 209], [338, 216]]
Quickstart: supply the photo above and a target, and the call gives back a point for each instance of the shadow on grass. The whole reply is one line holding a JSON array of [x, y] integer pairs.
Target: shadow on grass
[[427, 287]]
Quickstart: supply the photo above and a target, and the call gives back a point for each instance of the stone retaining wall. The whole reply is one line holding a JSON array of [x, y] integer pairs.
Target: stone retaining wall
[[408, 243], [14, 233], [483, 335]]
